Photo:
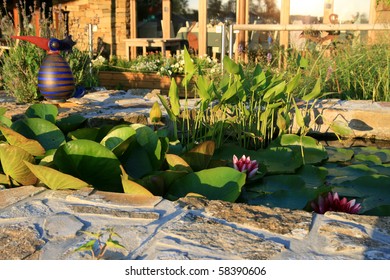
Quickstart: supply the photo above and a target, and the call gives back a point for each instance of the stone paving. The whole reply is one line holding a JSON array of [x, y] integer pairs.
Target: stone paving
[[37, 223]]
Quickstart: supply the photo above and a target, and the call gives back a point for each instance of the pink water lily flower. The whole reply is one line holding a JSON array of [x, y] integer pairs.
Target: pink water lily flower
[[332, 202], [245, 165]]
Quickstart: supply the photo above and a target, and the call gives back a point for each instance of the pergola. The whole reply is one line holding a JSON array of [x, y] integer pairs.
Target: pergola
[[242, 17]]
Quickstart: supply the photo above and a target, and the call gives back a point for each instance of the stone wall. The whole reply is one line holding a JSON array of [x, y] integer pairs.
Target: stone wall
[[111, 17]]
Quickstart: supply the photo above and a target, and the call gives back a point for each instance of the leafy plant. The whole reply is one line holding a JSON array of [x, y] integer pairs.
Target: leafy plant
[[97, 246]]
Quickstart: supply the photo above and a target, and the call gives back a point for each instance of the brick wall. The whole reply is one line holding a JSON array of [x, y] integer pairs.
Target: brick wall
[[112, 18]]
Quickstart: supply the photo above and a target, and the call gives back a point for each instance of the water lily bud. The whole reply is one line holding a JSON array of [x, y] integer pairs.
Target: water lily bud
[[245, 165], [155, 113]]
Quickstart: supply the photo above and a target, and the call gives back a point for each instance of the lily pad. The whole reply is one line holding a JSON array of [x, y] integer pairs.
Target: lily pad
[[222, 183], [311, 150], [278, 160], [339, 154]]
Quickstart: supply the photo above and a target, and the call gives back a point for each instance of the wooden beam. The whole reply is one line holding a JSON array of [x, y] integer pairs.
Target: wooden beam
[[166, 18], [202, 33]]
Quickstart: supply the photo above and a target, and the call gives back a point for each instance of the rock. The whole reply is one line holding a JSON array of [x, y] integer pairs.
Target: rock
[[19, 242]]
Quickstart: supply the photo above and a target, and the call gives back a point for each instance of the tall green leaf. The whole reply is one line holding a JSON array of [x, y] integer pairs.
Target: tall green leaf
[[90, 162], [45, 132], [174, 98]]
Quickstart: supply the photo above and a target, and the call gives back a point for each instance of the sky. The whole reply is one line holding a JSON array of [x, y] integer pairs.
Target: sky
[[344, 8]]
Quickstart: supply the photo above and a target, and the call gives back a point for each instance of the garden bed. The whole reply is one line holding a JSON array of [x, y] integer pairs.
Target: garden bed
[[131, 80]]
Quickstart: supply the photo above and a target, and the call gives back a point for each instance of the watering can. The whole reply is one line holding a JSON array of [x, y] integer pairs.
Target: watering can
[[55, 78]]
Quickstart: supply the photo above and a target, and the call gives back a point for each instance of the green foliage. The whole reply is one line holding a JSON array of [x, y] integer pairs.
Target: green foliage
[[19, 71], [97, 246]]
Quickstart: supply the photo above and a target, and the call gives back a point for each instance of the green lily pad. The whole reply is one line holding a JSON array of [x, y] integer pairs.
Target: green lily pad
[[311, 150], [313, 176], [90, 162], [45, 132], [368, 158], [382, 153], [55, 179], [339, 154], [278, 160], [47, 112], [222, 183]]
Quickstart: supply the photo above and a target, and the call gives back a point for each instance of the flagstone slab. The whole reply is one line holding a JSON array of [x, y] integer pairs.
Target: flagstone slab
[[11, 196], [294, 223]]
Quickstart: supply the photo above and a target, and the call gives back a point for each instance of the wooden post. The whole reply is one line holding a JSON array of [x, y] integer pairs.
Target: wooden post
[[328, 10], [202, 33], [133, 27], [372, 20], [16, 15], [240, 19], [284, 37], [166, 18]]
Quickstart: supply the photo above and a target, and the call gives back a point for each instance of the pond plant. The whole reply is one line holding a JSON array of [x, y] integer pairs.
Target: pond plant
[[244, 114]]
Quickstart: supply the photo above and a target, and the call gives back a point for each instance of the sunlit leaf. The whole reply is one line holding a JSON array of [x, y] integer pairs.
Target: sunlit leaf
[[114, 244], [315, 93], [16, 139], [12, 160], [199, 156], [55, 179], [177, 163], [132, 187]]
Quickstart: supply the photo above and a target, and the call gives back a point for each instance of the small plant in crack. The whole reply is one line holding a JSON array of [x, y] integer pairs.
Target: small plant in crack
[[97, 246]]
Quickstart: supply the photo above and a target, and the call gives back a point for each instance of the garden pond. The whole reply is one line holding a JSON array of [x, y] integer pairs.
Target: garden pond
[[293, 171]]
